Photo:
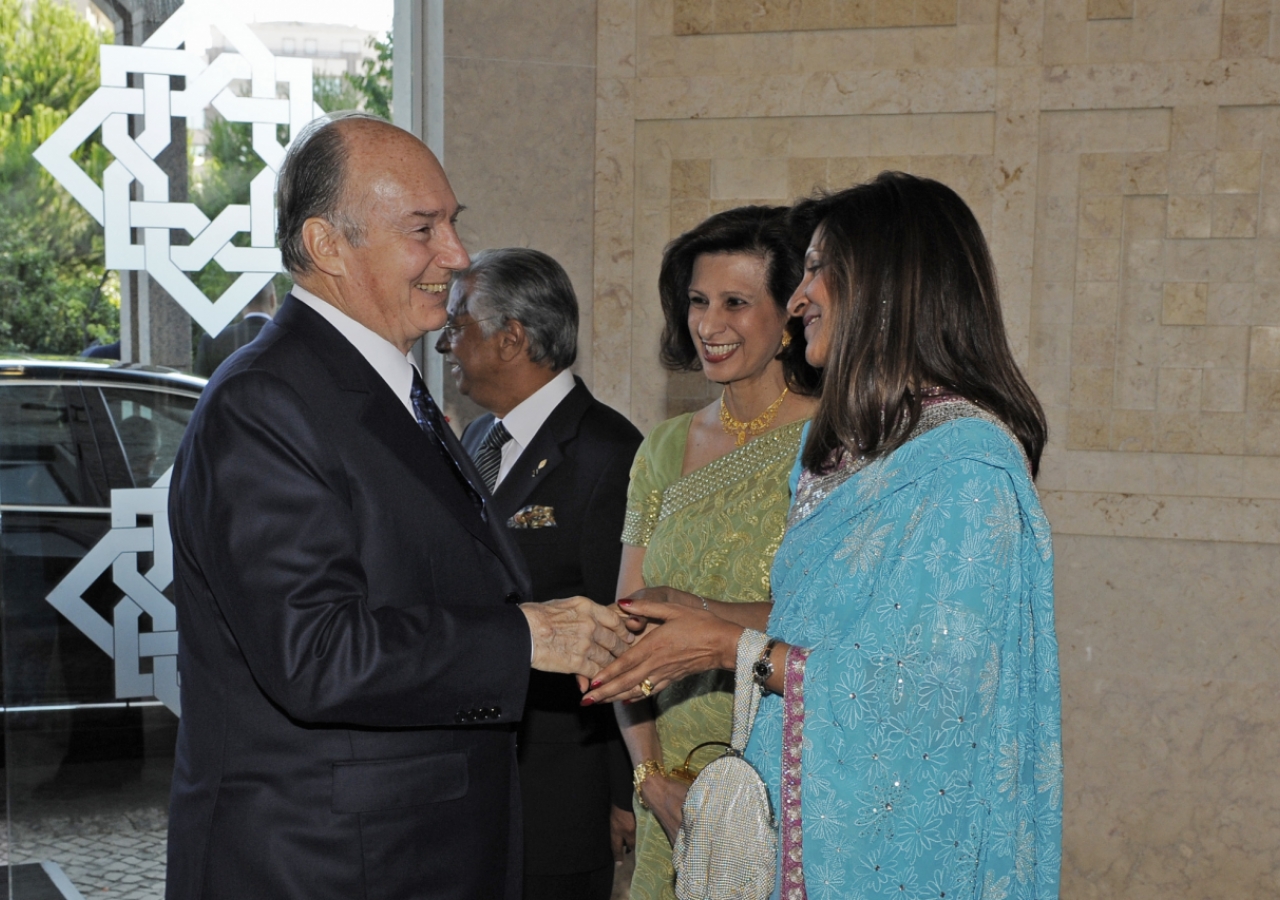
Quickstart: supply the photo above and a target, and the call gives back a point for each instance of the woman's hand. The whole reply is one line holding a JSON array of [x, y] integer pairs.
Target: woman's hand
[[687, 641], [665, 796], [641, 625], [622, 831]]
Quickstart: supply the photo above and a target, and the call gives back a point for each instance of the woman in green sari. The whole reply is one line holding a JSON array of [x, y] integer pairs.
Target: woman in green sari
[[708, 498]]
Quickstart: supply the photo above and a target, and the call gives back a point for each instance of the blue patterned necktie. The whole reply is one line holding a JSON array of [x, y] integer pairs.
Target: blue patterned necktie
[[489, 457], [432, 423]]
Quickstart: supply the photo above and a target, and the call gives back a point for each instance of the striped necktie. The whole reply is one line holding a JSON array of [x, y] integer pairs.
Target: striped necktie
[[489, 456], [432, 424]]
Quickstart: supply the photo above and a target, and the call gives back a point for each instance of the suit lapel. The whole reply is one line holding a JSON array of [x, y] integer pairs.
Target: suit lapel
[[543, 454], [387, 421]]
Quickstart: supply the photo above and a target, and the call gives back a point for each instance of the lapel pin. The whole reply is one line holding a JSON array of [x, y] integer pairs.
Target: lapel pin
[[542, 465]]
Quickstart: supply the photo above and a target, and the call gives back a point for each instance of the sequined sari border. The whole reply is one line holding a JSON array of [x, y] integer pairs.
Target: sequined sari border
[[777, 446], [792, 825]]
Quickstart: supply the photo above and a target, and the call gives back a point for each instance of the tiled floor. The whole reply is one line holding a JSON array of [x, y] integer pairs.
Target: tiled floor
[[109, 841], [115, 856], [114, 849]]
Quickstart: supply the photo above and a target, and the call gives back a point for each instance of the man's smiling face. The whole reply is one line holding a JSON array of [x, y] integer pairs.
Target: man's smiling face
[[397, 272]]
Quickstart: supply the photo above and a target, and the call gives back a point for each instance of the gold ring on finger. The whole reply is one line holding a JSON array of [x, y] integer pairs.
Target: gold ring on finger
[[646, 687]]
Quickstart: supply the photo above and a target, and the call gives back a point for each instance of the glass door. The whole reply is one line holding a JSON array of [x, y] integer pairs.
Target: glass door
[[89, 637]]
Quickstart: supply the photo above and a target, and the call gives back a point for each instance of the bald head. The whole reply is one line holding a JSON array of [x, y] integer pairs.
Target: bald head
[[380, 159], [367, 224], [317, 180]]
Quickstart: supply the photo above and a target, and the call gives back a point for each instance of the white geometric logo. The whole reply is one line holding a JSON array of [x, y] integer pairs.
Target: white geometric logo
[[121, 638], [156, 62]]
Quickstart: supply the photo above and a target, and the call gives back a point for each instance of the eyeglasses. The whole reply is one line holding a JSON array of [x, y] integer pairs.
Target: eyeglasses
[[449, 333]]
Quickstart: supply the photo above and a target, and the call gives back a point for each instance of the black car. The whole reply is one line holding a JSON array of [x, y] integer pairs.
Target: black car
[[89, 641]]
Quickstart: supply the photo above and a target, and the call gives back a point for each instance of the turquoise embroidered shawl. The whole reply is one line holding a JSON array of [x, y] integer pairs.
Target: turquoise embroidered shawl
[[932, 755]]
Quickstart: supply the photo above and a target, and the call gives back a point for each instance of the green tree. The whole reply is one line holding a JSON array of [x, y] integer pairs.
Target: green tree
[[374, 82], [54, 295], [334, 92], [230, 163]]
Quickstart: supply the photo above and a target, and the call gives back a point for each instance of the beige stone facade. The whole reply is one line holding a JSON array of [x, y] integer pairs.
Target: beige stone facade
[[1123, 157]]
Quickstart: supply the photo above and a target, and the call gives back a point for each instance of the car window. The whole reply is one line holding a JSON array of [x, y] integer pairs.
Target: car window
[[46, 451], [149, 425]]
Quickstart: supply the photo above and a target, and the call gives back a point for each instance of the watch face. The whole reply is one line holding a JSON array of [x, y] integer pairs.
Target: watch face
[[763, 669]]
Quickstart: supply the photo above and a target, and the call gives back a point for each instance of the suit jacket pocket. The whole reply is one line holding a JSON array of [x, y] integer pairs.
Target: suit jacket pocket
[[371, 785]]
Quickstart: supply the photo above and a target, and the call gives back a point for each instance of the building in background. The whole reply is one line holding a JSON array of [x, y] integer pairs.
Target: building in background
[[334, 51]]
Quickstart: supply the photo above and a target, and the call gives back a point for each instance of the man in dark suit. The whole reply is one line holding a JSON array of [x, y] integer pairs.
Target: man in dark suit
[[557, 461], [355, 631], [212, 351], [102, 351]]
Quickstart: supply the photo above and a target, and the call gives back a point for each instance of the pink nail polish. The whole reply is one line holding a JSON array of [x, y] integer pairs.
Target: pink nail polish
[[588, 701]]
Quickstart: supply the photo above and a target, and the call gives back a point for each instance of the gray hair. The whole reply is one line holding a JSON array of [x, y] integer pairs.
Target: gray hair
[[312, 184], [526, 286]]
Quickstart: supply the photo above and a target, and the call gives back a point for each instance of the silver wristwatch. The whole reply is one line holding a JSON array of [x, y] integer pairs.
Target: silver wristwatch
[[762, 669]]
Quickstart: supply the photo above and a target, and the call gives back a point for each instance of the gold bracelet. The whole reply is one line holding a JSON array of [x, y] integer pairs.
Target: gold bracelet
[[643, 771]]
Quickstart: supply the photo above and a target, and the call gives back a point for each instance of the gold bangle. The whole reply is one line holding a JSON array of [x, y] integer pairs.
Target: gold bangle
[[643, 771]]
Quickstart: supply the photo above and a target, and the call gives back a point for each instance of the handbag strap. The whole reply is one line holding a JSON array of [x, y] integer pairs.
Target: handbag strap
[[746, 693]]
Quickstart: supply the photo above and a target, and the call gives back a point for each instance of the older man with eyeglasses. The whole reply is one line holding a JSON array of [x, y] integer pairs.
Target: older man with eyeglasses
[[557, 461]]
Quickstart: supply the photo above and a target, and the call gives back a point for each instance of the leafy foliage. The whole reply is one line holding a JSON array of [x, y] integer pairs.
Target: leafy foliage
[[374, 83], [230, 164], [54, 291], [335, 92]]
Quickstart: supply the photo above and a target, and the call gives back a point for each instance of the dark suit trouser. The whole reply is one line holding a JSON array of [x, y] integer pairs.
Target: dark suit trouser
[[596, 885]]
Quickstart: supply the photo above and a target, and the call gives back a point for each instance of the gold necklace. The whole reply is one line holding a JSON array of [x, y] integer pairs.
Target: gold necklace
[[759, 425]]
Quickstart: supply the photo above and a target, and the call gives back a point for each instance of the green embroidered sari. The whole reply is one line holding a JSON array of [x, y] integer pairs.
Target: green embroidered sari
[[712, 532]]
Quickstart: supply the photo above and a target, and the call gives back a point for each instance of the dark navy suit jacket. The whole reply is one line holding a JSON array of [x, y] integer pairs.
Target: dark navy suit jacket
[[352, 662]]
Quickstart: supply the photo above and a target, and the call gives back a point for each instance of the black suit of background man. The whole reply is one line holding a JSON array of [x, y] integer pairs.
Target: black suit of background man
[[574, 471], [573, 766]]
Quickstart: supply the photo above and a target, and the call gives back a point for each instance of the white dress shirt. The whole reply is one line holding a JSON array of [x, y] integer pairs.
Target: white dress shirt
[[524, 422], [396, 368]]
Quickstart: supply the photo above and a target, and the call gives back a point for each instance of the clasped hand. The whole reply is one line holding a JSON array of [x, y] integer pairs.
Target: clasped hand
[[677, 640], [575, 635]]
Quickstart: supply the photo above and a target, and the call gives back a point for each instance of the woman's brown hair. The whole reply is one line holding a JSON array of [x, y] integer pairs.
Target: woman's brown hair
[[762, 231], [915, 304]]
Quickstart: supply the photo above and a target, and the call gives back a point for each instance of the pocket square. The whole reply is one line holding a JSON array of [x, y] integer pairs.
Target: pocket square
[[533, 516]]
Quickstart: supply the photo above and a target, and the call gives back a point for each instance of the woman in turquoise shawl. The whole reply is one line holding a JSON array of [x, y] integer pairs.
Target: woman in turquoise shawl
[[913, 591]]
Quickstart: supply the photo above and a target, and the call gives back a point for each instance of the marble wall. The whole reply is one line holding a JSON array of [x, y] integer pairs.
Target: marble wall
[[1123, 157], [519, 137]]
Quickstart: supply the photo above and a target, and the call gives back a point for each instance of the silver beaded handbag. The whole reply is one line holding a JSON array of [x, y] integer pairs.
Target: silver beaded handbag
[[727, 846]]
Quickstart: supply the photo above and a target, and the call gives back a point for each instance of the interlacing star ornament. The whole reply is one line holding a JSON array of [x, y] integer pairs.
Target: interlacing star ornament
[[121, 638], [280, 95]]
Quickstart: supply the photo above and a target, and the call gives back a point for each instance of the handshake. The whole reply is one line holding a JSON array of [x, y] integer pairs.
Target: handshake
[[681, 637], [576, 635]]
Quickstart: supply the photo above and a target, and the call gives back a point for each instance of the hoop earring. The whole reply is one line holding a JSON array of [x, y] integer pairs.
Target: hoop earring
[[786, 339]]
